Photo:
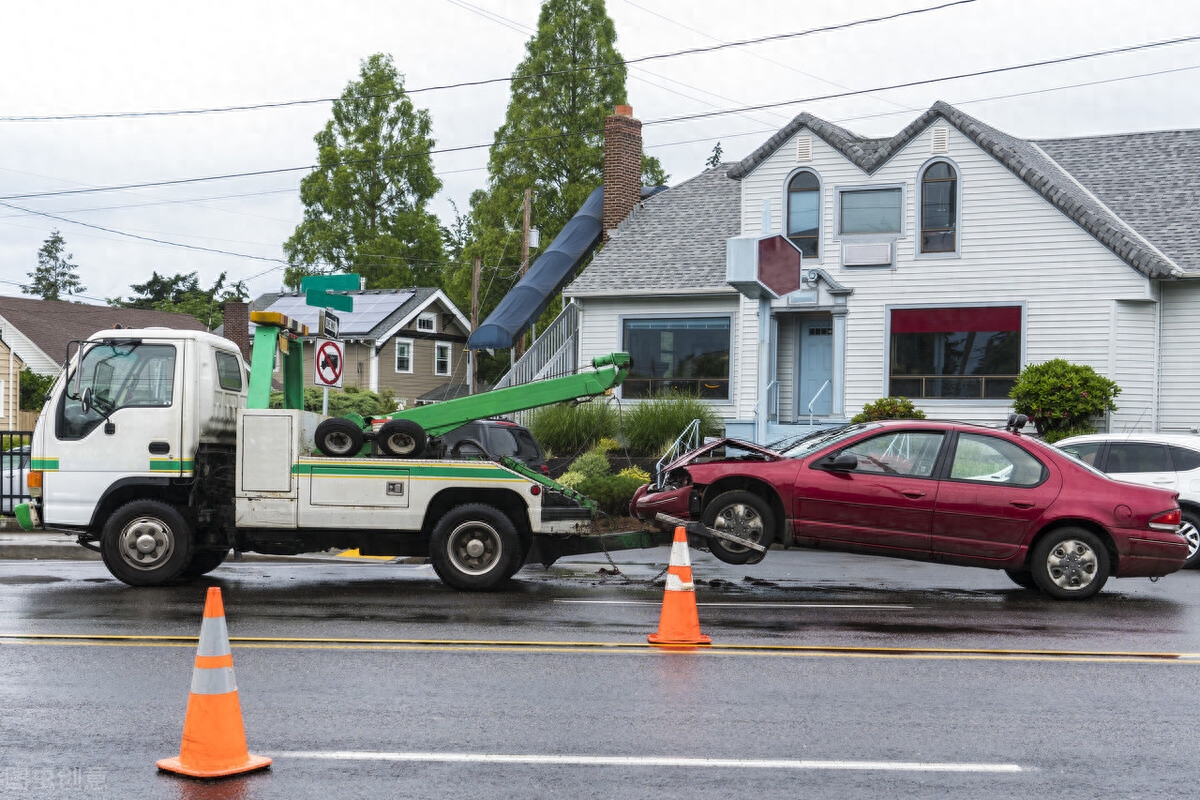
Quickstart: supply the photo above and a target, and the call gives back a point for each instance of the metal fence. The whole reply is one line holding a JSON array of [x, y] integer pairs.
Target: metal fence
[[14, 467]]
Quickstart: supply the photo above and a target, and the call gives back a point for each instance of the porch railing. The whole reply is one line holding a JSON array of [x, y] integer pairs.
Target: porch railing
[[551, 355]]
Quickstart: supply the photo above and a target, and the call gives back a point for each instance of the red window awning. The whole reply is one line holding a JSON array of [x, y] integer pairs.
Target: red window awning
[[956, 320]]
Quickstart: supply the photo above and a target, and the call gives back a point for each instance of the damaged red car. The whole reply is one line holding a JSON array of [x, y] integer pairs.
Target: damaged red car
[[932, 491]]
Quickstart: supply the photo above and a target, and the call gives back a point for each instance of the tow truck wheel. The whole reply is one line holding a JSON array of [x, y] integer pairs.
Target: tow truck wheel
[[401, 438], [204, 562], [339, 438], [475, 547], [146, 543], [742, 514]]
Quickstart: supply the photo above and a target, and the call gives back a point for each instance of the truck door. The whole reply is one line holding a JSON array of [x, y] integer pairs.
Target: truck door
[[119, 417]]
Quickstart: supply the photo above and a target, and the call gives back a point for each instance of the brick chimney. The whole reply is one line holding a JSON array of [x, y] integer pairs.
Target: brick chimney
[[237, 326], [622, 166]]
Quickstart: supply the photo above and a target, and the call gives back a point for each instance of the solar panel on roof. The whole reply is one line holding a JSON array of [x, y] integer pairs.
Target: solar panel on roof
[[369, 310]]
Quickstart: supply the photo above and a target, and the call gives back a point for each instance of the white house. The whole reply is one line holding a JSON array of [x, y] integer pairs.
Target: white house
[[827, 270]]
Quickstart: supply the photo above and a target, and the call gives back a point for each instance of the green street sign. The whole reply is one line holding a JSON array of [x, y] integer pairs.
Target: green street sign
[[317, 290]]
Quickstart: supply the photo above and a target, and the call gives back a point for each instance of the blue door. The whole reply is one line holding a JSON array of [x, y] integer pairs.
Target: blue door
[[816, 365]]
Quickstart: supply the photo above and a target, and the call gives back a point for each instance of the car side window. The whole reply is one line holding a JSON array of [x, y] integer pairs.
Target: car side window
[[1184, 459], [988, 459], [1128, 457], [1085, 451], [909, 453]]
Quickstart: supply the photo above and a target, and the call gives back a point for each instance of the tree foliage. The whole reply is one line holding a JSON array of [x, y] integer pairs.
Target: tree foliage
[[55, 274], [888, 408], [551, 141], [1060, 398], [33, 389], [183, 294], [714, 160], [365, 206]]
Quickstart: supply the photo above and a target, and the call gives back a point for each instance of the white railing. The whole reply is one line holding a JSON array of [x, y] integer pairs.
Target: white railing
[[551, 355], [824, 386], [686, 442]]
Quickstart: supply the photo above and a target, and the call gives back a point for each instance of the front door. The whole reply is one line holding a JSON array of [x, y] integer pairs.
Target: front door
[[816, 366]]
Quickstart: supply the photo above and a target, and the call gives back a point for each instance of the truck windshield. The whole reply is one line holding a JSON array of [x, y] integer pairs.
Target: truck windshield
[[116, 375]]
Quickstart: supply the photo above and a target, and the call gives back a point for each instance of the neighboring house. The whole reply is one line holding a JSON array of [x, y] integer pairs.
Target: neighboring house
[[936, 264], [11, 418], [38, 331], [411, 341]]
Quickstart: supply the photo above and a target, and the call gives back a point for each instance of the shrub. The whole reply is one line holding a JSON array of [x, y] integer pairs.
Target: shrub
[[612, 493], [889, 408], [566, 428], [652, 425], [592, 464], [1060, 397], [635, 472], [352, 399]]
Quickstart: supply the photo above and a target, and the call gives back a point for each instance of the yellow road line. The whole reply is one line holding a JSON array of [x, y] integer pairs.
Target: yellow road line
[[484, 645]]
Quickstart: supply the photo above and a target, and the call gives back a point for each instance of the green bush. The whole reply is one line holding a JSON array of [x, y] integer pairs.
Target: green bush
[[612, 493], [888, 408], [566, 428], [652, 425], [352, 399], [34, 388], [592, 464], [1060, 397]]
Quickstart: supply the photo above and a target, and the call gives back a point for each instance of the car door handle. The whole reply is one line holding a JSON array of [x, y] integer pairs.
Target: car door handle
[[1164, 481], [1022, 504], [913, 495]]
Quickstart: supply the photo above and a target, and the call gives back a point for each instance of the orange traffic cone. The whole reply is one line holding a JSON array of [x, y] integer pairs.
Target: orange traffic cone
[[679, 622], [214, 738]]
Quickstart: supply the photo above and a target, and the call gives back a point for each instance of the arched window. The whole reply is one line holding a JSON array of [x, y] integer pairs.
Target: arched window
[[939, 209], [804, 213]]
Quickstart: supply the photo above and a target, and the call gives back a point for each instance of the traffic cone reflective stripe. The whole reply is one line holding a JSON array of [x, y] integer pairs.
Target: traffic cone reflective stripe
[[679, 622], [214, 736]]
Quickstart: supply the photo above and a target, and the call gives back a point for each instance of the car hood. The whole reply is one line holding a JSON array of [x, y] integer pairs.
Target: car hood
[[708, 447]]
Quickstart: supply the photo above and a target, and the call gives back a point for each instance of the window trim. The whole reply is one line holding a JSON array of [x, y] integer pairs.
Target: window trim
[[918, 253], [889, 236], [820, 211], [449, 359], [396, 356], [715, 314], [936, 402], [431, 317]]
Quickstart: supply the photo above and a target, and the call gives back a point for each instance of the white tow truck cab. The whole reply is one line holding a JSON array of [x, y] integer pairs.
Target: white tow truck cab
[[145, 451]]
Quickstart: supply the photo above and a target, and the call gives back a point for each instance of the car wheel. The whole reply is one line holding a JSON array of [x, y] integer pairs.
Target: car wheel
[[1022, 578], [475, 547], [204, 562], [401, 438], [339, 438], [1070, 564], [742, 514], [146, 543], [1190, 528]]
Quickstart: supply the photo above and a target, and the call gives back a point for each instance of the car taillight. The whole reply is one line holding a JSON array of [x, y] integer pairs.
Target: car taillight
[[1167, 520]]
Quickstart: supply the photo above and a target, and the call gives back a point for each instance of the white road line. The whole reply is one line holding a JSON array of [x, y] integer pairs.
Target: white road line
[[653, 761], [741, 605]]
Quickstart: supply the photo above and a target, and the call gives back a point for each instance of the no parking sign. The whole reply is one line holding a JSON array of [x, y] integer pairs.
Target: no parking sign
[[330, 361]]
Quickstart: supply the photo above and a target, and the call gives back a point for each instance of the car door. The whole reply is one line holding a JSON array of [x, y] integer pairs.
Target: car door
[[990, 498], [884, 503], [1147, 463]]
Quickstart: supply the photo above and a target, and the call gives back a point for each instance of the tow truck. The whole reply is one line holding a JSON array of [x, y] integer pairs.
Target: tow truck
[[156, 447]]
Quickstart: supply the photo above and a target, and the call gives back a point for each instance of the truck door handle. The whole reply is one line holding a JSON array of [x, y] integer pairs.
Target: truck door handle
[[913, 495], [160, 448]]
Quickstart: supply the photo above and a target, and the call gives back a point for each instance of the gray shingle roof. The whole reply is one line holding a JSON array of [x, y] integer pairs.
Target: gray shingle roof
[[1044, 174], [672, 241]]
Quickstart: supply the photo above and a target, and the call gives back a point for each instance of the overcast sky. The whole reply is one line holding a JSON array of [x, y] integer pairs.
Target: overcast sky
[[87, 57]]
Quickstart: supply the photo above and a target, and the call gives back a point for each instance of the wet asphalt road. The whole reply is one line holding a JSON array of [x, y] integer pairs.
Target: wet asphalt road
[[830, 676]]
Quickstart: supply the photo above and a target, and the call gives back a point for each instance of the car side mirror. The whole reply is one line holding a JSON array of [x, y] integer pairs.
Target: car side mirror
[[842, 462]]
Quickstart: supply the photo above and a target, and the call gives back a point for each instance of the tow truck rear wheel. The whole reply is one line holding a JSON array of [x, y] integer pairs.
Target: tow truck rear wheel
[[146, 543], [401, 438], [475, 547], [339, 438]]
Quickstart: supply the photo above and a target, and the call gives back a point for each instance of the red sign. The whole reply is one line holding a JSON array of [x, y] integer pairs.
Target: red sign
[[330, 360]]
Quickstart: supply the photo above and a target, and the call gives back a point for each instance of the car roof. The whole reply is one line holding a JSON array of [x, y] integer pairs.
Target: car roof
[[1182, 439]]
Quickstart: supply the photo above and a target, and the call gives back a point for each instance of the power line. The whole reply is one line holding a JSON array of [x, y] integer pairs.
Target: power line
[[668, 120], [490, 81]]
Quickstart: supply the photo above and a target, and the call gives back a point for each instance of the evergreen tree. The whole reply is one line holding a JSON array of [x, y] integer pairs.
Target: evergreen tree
[[715, 159], [365, 207], [54, 275], [183, 294]]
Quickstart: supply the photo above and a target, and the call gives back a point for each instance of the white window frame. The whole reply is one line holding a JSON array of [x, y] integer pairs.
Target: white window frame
[[431, 318], [878, 237], [449, 359], [396, 356]]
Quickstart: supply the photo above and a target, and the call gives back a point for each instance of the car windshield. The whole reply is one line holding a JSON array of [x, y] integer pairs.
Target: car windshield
[[813, 442]]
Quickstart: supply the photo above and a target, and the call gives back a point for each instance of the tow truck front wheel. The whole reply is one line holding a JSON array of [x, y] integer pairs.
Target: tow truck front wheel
[[475, 547], [146, 543]]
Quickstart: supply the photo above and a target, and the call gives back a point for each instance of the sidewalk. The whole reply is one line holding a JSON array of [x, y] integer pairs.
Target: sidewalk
[[18, 544]]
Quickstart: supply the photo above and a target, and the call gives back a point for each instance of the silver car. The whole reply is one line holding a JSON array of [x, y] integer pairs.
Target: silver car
[[1169, 461], [14, 466]]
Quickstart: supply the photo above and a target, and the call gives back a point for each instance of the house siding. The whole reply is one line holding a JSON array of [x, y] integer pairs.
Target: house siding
[[1179, 376], [1015, 249], [1135, 355]]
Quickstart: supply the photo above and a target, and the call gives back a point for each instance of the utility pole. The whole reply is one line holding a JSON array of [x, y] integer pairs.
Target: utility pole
[[475, 270], [519, 345]]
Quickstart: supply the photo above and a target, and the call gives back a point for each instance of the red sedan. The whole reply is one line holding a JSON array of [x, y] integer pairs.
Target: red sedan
[[931, 491]]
